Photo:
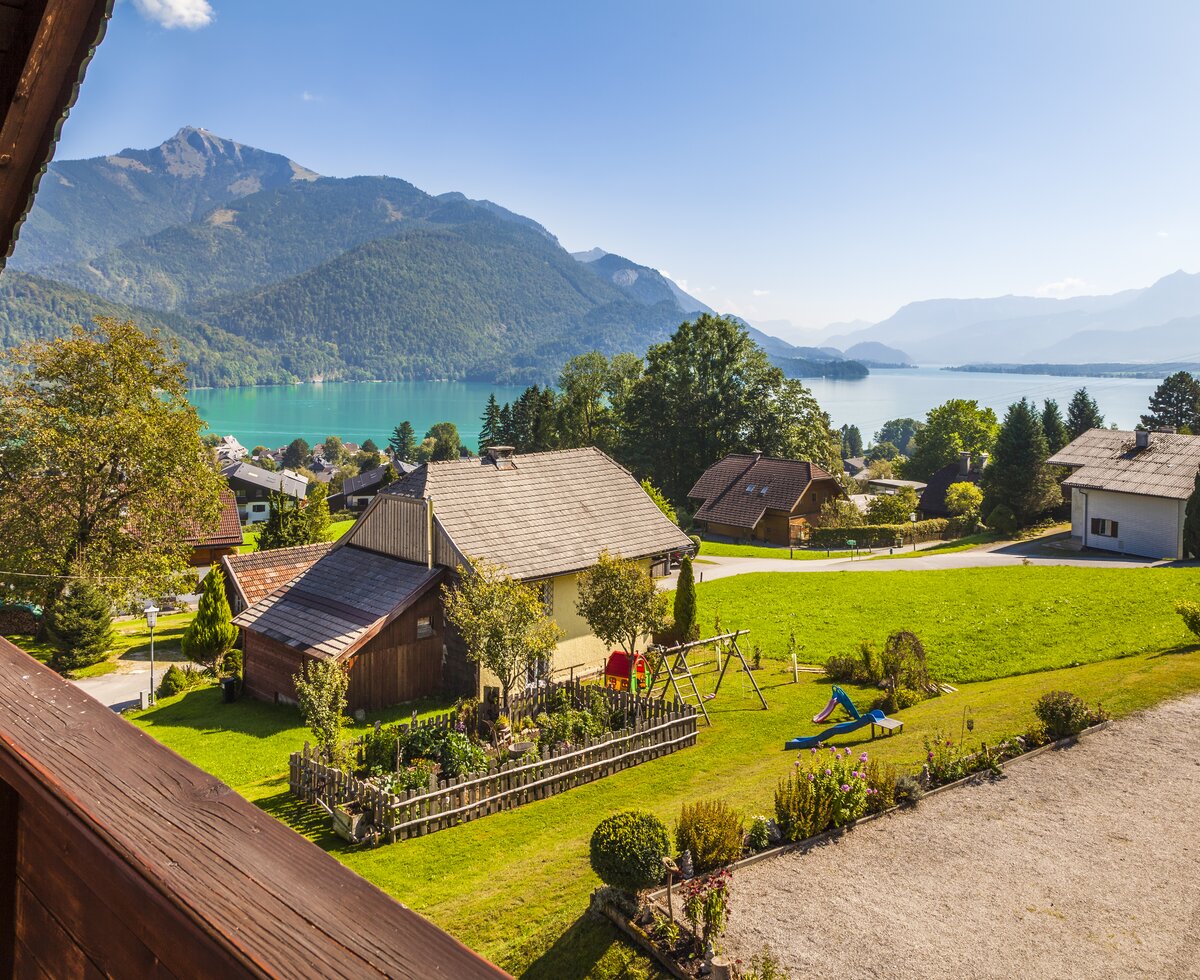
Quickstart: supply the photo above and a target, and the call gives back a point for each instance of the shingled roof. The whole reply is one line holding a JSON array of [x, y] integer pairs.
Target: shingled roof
[[545, 514], [228, 531], [1108, 459], [277, 481], [340, 602], [739, 489], [256, 575]]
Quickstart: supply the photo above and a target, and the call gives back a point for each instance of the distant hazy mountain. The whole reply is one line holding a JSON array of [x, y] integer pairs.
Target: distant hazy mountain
[[1130, 326], [262, 271], [873, 352]]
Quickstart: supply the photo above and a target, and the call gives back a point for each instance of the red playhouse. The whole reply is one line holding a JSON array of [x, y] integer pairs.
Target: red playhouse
[[617, 672]]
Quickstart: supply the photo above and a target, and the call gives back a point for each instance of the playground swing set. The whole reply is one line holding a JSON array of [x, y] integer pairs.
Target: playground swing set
[[679, 674]]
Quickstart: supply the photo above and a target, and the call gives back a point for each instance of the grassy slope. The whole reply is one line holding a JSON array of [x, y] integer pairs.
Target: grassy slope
[[514, 885], [132, 641], [975, 623], [721, 549]]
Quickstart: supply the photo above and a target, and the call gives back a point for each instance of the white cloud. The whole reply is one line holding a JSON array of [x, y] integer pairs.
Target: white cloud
[[1163, 234], [191, 14], [307, 96], [1070, 286], [760, 292]]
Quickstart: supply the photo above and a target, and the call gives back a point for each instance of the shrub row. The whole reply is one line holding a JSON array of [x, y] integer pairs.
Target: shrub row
[[878, 535]]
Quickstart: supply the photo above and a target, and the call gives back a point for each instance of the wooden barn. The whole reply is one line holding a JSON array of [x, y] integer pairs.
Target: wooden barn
[[374, 601], [749, 496]]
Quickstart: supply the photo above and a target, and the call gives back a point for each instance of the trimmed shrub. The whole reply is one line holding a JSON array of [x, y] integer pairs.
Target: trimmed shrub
[[1190, 612], [627, 849], [1003, 521], [1062, 713], [712, 831], [878, 535], [233, 664], [177, 680], [696, 541]]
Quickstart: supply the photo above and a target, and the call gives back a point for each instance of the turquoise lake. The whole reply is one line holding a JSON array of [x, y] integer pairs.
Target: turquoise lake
[[273, 416]]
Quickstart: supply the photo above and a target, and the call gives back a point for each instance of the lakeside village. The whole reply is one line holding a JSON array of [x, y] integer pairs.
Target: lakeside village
[[396, 649]]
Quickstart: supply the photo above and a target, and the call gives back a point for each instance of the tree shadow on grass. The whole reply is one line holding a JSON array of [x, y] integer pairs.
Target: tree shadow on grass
[[578, 952], [1176, 650]]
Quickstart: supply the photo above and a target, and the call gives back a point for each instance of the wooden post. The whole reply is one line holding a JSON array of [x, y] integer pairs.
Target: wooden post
[[721, 969], [795, 670]]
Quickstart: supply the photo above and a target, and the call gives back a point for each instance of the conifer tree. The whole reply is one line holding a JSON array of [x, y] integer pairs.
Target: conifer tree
[[286, 525], [211, 635], [489, 424], [1018, 477], [403, 441], [1053, 426], [79, 625], [316, 513], [1175, 404], [1083, 414], [1191, 523], [686, 627]]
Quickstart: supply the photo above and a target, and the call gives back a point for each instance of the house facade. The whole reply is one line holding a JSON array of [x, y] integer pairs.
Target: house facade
[[748, 496], [1129, 490], [968, 469], [374, 602], [252, 487]]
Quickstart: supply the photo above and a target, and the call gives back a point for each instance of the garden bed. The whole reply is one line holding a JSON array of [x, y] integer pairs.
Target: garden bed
[[579, 733]]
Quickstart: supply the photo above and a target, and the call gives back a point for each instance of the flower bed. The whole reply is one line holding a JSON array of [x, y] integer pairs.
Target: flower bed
[[410, 780]]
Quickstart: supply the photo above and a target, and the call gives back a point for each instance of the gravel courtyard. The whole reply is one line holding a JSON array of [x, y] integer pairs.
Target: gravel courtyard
[[1083, 862]]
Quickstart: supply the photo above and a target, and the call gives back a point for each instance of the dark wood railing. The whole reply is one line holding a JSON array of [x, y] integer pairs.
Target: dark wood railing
[[119, 858]]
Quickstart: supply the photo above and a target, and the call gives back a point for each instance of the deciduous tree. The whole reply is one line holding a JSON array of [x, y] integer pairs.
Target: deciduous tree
[[661, 502], [964, 500], [892, 508], [296, 454], [620, 602], [956, 426], [321, 694], [899, 432], [102, 470], [503, 622], [446, 441]]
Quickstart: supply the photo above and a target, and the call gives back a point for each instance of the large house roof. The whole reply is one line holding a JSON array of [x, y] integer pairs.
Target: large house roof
[[228, 532], [544, 514], [277, 481], [933, 497], [1109, 459], [256, 575], [340, 602], [739, 489], [372, 477]]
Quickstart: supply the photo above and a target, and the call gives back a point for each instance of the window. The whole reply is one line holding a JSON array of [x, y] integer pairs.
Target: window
[[749, 488], [1104, 528], [258, 508], [424, 627], [537, 674], [548, 596]]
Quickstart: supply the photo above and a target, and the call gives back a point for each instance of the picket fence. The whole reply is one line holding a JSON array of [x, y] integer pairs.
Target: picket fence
[[659, 728]]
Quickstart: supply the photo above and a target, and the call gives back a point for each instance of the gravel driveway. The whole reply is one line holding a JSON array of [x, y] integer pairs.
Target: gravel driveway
[[1083, 862]]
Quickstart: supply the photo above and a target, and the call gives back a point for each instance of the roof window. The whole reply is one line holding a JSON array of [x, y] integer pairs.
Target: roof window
[[749, 488], [763, 491]]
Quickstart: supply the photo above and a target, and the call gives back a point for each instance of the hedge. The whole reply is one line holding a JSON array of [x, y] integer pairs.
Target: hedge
[[879, 535]]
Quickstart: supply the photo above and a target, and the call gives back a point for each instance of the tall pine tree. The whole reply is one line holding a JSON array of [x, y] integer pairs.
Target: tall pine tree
[[489, 428], [403, 442], [211, 634], [686, 627], [1175, 404], [1053, 426], [1017, 476], [79, 624], [1083, 414], [1191, 523]]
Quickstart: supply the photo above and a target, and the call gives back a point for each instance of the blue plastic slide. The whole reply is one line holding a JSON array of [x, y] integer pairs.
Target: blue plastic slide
[[857, 721], [839, 697]]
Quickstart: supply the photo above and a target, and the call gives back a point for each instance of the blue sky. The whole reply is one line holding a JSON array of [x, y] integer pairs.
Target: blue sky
[[783, 160]]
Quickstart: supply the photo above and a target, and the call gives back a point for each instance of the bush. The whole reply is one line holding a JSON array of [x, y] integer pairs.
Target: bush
[[177, 680], [451, 749], [758, 837], [865, 668], [908, 791], [764, 966], [1190, 612], [627, 849], [233, 664], [1063, 714], [903, 664], [381, 749], [825, 790], [712, 831], [843, 667], [878, 535], [1003, 521], [898, 700], [881, 779], [696, 542]]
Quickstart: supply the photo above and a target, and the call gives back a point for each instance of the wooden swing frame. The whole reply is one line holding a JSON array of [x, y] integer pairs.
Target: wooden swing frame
[[673, 661]]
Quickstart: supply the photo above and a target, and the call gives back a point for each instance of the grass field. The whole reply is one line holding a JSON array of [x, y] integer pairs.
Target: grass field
[[945, 547], [250, 535], [721, 549], [976, 623], [132, 642], [515, 885]]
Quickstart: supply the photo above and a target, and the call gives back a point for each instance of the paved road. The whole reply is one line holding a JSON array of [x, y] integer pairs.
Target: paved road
[[123, 688], [710, 567]]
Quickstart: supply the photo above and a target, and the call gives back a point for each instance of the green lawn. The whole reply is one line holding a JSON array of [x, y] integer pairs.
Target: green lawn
[[250, 535], [976, 623], [515, 885], [721, 549], [946, 547], [132, 642]]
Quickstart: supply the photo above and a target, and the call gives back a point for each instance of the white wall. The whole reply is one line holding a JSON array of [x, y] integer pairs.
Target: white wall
[[1147, 526]]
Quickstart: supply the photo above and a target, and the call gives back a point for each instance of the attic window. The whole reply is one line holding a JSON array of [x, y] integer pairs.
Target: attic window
[[763, 491], [749, 488]]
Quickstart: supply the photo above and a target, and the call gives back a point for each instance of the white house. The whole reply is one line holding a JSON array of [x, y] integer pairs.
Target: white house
[[1129, 490]]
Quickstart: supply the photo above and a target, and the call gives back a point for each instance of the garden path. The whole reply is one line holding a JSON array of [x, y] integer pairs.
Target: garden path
[[1082, 862]]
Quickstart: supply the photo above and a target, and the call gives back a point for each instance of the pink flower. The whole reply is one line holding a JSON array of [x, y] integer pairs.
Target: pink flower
[[845, 788], [813, 750], [863, 757], [828, 772], [810, 777], [931, 754]]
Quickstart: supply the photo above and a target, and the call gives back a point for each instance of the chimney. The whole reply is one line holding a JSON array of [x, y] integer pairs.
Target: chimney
[[982, 461], [964, 464], [502, 457], [1142, 438]]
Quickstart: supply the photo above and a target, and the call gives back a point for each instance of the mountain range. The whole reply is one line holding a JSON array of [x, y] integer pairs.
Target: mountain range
[[1156, 324], [262, 271]]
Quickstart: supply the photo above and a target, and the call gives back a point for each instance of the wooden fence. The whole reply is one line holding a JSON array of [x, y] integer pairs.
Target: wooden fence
[[656, 729]]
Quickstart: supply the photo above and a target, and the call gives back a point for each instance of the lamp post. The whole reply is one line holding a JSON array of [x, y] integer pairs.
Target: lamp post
[[151, 611], [913, 517]]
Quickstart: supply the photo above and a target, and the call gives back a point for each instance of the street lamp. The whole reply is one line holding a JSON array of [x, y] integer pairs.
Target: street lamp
[[913, 517], [151, 611]]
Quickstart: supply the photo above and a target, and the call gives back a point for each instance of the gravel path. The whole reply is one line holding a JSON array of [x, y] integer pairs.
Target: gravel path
[[1083, 863]]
